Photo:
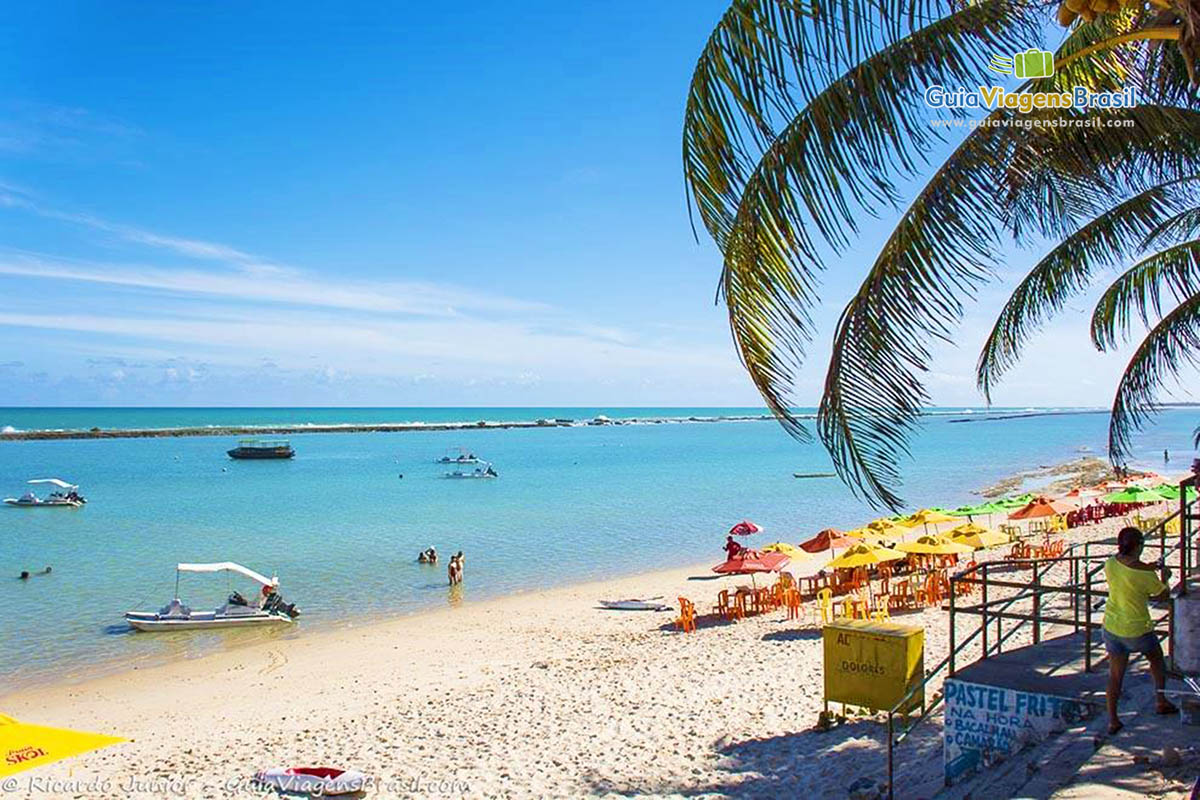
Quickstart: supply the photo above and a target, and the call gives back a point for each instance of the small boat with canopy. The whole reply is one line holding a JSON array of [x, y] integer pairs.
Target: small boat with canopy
[[65, 495], [268, 608]]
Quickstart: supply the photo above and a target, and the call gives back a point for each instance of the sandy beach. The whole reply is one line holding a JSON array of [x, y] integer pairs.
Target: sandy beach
[[539, 694]]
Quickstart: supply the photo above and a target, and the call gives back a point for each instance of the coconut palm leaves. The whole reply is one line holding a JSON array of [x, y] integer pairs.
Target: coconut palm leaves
[[803, 118]]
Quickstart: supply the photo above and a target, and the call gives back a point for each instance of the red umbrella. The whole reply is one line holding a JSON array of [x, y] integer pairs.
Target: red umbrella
[[749, 562], [744, 528], [829, 539]]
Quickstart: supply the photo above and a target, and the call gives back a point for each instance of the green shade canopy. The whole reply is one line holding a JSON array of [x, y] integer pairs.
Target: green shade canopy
[[1170, 492], [1135, 494]]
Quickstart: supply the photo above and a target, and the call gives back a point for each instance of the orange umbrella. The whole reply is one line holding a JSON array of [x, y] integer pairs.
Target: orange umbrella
[[1041, 507], [828, 539]]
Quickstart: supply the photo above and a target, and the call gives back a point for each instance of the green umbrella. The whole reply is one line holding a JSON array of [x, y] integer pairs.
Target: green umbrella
[[1134, 494], [1009, 503], [1170, 492]]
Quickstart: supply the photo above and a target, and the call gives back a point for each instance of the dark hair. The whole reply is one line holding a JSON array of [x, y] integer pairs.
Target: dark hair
[[1129, 541]]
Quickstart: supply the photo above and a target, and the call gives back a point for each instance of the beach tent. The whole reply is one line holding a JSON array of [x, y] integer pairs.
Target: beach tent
[[27, 746], [865, 554], [828, 539], [1042, 507], [976, 536], [744, 528], [789, 550], [934, 546], [1134, 494]]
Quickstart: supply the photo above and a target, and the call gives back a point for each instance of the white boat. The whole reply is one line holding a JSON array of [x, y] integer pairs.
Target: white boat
[[65, 496], [461, 456], [646, 604], [481, 472], [238, 612]]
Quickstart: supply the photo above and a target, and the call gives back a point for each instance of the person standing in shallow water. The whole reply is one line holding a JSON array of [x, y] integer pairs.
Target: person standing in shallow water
[[1128, 629]]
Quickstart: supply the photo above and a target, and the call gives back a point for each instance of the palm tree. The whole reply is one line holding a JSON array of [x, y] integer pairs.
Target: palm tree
[[802, 118]]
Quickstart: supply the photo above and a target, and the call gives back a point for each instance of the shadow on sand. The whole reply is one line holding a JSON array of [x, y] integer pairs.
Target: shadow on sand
[[811, 763]]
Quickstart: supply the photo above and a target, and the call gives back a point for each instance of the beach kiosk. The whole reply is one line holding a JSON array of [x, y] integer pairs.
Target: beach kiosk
[[874, 664]]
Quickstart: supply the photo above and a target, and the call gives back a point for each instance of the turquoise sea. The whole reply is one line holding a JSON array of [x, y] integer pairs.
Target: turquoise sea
[[341, 527]]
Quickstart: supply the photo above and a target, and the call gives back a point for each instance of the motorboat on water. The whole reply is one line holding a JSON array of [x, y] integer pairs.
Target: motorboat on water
[[262, 448], [65, 495], [459, 456], [481, 472], [238, 612]]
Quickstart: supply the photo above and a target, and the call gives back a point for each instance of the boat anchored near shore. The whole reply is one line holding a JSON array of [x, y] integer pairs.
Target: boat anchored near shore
[[482, 472], [65, 496], [459, 456], [238, 612], [262, 448]]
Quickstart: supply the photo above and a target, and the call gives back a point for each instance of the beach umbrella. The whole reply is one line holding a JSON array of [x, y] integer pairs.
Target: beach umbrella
[[865, 554], [976, 536], [1134, 494], [1171, 492], [828, 539], [744, 528], [790, 550], [26, 746], [934, 546], [751, 562], [886, 528], [1082, 494], [1041, 507], [929, 516]]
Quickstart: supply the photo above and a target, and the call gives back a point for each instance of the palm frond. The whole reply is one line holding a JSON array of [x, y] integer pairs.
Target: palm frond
[[943, 249], [1169, 346], [1138, 291], [767, 59], [1067, 270], [831, 163]]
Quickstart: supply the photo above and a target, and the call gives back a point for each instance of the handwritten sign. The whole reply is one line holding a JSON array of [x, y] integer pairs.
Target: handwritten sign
[[987, 724]]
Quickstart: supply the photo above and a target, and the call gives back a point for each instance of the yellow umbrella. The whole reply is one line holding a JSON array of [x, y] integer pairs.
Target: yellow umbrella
[[864, 555], [928, 516], [976, 536], [886, 528], [24, 746], [934, 546], [790, 550]]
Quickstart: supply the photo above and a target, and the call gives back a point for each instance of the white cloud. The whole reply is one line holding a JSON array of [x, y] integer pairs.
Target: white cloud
[[273, 285]]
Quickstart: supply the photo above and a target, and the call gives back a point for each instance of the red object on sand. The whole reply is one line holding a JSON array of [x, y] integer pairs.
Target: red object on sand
[[828, 539], [749, 561], [744, 528]]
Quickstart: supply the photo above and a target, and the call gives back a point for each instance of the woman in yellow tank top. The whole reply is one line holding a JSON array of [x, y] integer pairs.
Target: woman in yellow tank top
[[1132, 584]]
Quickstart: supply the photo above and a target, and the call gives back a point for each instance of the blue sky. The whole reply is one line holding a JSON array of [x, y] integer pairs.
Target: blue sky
[[384, 204]]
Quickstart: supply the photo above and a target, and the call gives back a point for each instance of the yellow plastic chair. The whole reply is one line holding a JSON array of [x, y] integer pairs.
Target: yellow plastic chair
[[825, 604]]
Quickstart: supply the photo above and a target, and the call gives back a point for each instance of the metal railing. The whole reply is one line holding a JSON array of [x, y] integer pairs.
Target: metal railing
[[1082, 565]]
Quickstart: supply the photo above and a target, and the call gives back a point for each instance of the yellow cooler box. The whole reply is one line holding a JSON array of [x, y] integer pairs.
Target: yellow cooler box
[[873, 664]]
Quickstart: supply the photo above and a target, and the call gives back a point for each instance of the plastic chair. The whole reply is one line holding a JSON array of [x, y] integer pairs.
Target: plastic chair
[[791, 598], [825, 605], [687, 616]]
